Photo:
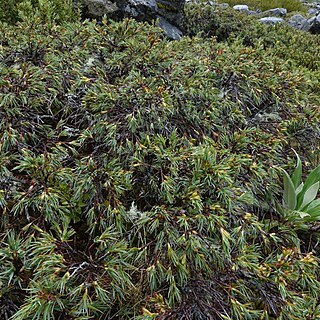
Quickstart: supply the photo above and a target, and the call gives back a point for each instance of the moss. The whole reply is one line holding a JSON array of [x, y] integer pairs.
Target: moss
[[164, 6]]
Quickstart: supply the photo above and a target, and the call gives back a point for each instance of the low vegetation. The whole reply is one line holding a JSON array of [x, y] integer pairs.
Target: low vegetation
[[141, 178], [290, 5], [58, 11]]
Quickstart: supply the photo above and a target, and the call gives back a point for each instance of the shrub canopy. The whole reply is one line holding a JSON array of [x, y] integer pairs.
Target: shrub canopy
[[138, 176]]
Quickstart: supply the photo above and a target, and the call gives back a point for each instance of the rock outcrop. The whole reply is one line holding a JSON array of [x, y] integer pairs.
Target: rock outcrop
[[95, 9], [143, 10], [314, 24], [299, 22], [169, 13]]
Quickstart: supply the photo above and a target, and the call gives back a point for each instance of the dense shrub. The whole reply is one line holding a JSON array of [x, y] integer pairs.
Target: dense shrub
[[138, 176], [300, 49], [208, 21], [47, 11]]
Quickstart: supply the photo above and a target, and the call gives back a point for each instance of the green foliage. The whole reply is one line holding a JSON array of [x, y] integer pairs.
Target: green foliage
[[298, 49], [290, 5], [47, 11], [299, 198], [136, 175], [207, 21]]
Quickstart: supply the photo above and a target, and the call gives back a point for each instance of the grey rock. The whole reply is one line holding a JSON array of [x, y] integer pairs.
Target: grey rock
[[172, 5], [271, 20], [314, 24], [170, 30], [241, 7], [277, 12], [171, 10], [313, 11], [142, 10], [299, 22], [139, 9], [98, 8], [251, 12]]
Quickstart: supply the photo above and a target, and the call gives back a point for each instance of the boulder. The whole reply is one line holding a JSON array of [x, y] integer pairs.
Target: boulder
[[314, 24], [144, 10], [169, 13], [172, 5], [277, 12], [299, 22], [170, 30], [172, 11], [271, 20], [241, 7], [313, 11], [95, 9], [170, 17]]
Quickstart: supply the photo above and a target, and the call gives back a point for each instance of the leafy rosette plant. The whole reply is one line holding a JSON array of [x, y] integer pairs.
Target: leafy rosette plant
[[300, 198]]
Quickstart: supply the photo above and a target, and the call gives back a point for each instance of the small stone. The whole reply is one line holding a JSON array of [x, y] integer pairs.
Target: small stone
[[223, 5]]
